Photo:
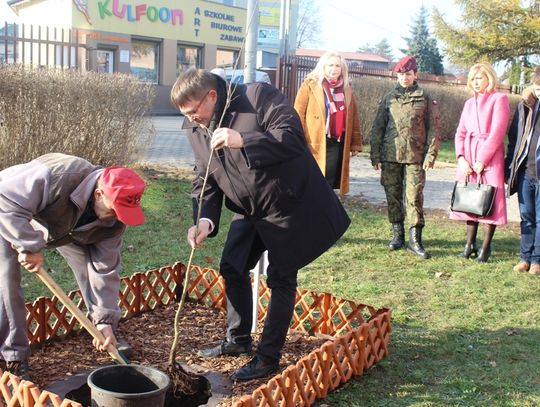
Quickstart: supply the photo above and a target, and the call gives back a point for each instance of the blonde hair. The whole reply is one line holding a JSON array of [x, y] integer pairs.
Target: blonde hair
[[486, 69], [318, 72]]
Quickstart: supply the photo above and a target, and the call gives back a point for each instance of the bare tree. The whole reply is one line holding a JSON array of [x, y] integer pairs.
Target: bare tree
[[309, 23]]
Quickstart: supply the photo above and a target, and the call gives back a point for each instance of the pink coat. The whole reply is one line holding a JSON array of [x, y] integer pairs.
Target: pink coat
[[480, 137]]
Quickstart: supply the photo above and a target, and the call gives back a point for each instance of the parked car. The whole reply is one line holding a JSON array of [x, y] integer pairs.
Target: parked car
[[237, 76]]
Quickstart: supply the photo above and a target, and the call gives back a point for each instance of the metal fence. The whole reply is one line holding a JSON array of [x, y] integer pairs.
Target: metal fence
[[39, 46]]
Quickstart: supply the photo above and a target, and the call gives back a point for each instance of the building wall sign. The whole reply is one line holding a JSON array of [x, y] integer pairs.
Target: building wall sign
[[82, 6], [135, 12], [103, 37], [223, 24], [269, 14], [268, 37], [189, 20]]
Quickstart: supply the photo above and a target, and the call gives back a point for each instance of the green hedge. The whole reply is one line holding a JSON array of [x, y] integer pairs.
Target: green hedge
[[96, 116], [451, 98]]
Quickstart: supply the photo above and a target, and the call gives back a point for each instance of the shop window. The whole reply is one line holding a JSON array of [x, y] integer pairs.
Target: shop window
[[187, 57], [145, 60], [225, 57]]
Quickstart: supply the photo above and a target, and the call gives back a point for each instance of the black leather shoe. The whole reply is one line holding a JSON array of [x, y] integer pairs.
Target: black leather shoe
[[18, 368], [255, 369], [226, 348], [469, 250], [483, 255]]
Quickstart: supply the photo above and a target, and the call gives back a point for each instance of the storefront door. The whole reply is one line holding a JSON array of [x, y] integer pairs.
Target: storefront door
[[105, 61]]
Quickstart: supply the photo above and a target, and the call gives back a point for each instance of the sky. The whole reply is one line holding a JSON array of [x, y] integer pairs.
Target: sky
[[349, 24], [5, 13]]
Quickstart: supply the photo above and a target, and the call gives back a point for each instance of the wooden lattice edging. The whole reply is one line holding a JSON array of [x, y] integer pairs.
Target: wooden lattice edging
[[360, 335], [326, 368]]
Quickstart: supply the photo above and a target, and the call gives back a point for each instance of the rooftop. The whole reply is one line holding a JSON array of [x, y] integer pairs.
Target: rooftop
[[359, 56]]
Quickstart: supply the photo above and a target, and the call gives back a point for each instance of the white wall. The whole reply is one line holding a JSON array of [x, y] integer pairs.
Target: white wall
[[52, 13]]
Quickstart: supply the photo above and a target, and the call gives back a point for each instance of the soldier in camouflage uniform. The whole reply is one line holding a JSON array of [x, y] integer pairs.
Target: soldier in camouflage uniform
[[405, 139]]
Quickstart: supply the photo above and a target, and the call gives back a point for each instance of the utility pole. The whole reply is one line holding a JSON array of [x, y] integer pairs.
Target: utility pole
[[251, 40], [284, 22]]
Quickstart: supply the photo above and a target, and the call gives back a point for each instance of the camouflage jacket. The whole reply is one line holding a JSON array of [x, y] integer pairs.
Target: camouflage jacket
[[407, 127]]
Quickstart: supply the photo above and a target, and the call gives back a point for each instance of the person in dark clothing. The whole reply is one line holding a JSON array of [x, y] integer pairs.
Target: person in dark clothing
[[522, 174], [252, 139]]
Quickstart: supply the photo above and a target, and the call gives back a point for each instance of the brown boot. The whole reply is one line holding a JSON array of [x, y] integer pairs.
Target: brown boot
[[535, 269], [521, 267]]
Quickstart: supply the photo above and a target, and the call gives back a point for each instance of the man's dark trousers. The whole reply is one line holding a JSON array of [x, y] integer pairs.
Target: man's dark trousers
[[244, 237]]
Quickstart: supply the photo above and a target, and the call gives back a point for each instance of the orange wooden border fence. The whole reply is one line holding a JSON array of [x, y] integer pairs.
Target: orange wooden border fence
[[359, 336]]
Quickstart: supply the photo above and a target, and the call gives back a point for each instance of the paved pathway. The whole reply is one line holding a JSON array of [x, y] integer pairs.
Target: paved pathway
[[172, 149]]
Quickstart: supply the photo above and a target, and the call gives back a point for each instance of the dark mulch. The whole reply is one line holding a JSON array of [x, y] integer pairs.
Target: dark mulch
[[151, 335]]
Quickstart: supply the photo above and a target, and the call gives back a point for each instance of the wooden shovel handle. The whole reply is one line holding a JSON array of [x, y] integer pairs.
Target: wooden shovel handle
[[78, 314]]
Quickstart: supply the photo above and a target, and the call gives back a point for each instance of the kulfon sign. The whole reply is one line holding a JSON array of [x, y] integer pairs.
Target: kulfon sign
[[136, 12], [188, 20]]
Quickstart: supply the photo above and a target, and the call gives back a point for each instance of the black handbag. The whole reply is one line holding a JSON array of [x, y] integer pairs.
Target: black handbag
[[473, 198]]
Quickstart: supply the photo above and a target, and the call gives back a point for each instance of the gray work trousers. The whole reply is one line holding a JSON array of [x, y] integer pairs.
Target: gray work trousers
[[14, 344]]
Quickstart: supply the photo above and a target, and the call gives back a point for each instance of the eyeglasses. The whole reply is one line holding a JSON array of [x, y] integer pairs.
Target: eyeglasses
[[194, 111]]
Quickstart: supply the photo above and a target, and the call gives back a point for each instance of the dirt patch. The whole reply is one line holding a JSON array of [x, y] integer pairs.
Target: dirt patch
[[151, 334], [164, 171]]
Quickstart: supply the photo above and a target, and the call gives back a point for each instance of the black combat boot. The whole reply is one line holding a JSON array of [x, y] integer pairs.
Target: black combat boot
[[415, 242], [398, 240]]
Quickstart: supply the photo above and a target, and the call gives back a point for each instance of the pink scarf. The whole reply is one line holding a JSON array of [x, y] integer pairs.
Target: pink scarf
[[335, 108]]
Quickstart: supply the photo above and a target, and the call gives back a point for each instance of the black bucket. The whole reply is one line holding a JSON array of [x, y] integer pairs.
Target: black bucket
[[128, 386]]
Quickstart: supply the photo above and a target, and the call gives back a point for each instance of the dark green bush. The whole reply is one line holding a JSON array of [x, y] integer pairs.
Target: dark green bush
[[451, 98], [96, 116]]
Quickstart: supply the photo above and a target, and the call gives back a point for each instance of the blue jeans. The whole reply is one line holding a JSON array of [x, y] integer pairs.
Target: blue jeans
[[528, 190]]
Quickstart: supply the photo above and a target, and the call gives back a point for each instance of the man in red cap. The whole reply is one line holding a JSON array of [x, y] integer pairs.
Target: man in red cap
[[63, 202], [405, 139]]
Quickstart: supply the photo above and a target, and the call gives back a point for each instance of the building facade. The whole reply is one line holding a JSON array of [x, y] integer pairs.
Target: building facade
[[154, 39]]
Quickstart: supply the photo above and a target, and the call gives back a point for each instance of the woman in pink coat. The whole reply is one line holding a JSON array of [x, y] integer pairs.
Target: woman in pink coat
[[480, 153]]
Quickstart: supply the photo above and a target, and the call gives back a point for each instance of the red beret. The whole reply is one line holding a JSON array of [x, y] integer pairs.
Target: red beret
[[405, 64]]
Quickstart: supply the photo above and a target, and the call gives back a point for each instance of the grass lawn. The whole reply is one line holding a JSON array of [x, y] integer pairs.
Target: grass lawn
[[447, 152], [464, 333]]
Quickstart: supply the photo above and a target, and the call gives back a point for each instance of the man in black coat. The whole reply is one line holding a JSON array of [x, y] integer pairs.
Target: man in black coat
[[252, 139]]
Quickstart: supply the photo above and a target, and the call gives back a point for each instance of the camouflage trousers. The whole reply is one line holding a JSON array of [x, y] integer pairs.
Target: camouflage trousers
[[404, 182]]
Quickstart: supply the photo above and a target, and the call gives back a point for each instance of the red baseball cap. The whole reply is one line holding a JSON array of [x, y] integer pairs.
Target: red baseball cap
[[405, 64], [124, 187]]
